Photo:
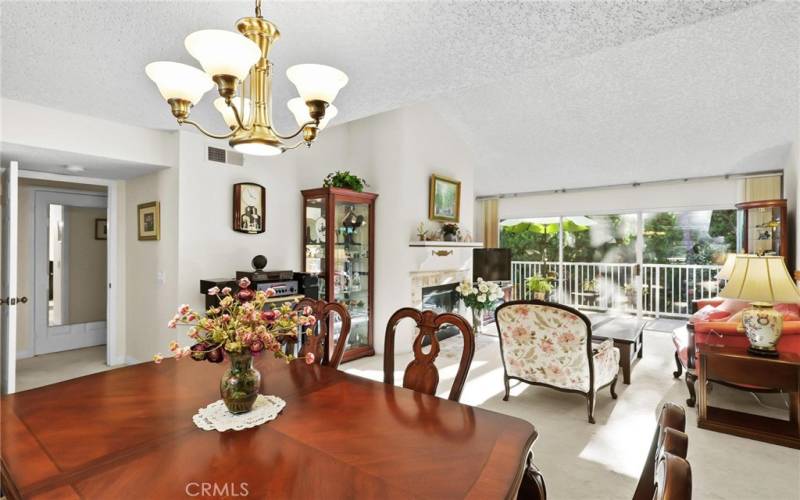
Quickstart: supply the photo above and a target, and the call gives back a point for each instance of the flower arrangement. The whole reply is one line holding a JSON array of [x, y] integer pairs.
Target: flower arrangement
[[481, 296], [450, 231], [344, 180], [239, 326]]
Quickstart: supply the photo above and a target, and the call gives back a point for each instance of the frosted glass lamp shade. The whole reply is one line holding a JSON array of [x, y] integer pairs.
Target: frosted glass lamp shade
[[317, 82], [258, 149], [179, 81], [227, 112], [761, 279], [300, 111], [222, 52]]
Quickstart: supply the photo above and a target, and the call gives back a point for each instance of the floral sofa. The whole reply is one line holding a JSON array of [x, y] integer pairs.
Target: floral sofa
[[718, 321], [543, 343]]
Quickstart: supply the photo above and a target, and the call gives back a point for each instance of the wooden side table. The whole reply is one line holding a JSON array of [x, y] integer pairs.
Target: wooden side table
[[734, 367]]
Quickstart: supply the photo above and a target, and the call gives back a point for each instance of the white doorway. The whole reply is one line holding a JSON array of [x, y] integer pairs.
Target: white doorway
[[70, 259]]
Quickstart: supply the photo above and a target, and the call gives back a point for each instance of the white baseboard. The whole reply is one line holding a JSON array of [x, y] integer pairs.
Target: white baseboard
[[25, 354], [130, 360]]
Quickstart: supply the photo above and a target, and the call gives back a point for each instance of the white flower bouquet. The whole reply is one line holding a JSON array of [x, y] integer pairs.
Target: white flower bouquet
[[481, 296]]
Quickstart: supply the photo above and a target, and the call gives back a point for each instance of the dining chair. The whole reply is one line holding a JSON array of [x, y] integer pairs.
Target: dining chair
[[421, 373], [319, 343], [669, 437], [673, 478], [549, 344]]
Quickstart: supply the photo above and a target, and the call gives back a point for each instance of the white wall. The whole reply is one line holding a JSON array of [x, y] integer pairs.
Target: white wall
[[208, 247], [150, 303], [36, 126], [697, 194]]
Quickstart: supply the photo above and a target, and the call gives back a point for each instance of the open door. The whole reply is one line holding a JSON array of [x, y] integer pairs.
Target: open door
[[8, 286]]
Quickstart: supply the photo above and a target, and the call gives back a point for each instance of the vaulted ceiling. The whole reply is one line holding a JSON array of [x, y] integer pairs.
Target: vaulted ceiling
[[548, 94]]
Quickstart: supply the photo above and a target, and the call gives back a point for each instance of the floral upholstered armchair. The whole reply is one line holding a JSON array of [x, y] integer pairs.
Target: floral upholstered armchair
[[543, 343]]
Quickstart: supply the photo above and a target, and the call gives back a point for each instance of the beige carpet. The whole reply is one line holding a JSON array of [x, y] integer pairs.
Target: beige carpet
[[603, 461], [48, 369]]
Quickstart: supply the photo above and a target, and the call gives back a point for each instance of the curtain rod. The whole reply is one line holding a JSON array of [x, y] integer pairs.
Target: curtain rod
[[750, 175]]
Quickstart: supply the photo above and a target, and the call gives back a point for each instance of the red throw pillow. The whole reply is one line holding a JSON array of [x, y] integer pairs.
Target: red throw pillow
[[709, 313], [732, 306], [790, 312]]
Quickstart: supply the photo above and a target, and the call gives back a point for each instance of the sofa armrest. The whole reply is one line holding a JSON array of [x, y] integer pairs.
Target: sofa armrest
[[721, 327], [698, 304]]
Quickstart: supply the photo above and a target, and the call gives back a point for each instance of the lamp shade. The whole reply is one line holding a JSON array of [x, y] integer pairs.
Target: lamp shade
[[727, 267], [300, 111], [179, 81], [227, 112], [317, 82], [222, 52], [258, 149], [761, 279]]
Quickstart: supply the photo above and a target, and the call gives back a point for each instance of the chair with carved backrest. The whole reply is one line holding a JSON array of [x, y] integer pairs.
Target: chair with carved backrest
[[318, 344], [668, 438], [421, 373], [549, 344], [673, 478]]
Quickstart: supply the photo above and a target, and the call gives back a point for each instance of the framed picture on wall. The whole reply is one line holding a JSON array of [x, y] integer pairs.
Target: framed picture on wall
[[100, 229], [149, 225], [445, 199], [249, 208]]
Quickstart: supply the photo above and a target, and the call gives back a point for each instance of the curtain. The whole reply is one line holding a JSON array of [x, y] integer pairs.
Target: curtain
[[490, 223]]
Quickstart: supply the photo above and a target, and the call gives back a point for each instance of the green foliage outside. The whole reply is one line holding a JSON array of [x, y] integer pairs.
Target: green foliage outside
[[665, 240]]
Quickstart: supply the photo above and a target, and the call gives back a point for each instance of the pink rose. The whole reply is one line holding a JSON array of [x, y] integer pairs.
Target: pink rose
[[213, 290], [311, 321], [226, 290], [256, 346], [191, 317], [244, 282], [270, 292], [310, 358], [307, 310], [172, 323], [184, 309]]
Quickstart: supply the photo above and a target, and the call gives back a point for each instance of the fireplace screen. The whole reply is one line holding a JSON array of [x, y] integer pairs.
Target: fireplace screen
[[441, 299]]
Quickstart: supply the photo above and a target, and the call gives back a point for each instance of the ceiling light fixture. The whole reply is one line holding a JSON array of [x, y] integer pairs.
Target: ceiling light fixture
[[234, 61]]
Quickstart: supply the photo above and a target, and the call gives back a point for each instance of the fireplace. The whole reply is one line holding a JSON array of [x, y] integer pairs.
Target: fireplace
[[441, 299]]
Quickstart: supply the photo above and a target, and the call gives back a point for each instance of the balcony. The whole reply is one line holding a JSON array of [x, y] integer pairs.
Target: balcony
[[660, 290]]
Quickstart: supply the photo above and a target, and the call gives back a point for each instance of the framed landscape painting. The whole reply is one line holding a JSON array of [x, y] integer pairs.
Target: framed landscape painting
[[445, 199], [149, 215]]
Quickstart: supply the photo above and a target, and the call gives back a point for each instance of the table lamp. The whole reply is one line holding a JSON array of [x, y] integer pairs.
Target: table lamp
[[724, 274], [762, 281]]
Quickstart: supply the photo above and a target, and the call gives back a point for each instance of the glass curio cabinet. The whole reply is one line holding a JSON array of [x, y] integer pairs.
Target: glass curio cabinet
[[762, 228], [338, 246]]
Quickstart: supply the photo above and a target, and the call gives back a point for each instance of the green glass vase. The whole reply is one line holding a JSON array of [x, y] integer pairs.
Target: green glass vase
[[240, 383]]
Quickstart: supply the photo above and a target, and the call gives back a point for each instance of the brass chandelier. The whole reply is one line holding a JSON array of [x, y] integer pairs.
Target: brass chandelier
[[228, 59]]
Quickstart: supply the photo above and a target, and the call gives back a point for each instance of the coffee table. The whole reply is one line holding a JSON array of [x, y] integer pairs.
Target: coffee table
[[627, 334]]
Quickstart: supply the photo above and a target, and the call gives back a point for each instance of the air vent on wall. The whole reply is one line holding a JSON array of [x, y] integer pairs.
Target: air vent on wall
[[224, 156]]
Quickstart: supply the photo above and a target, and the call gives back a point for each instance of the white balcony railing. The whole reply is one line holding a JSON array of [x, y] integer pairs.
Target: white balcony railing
[[667, 289]]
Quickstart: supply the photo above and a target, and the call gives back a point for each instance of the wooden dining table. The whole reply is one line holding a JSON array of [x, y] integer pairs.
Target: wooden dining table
[[128, 433]]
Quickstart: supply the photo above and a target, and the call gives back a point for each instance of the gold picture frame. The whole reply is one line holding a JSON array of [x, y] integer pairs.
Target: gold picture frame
[[149, 221], [444, 203]]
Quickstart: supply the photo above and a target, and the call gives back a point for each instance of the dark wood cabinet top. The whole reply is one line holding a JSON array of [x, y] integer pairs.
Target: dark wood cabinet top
[[128, 433]]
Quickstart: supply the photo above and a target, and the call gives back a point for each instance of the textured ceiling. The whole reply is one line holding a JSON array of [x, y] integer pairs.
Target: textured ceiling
[[714, 98], [397, 53], [548, 94]]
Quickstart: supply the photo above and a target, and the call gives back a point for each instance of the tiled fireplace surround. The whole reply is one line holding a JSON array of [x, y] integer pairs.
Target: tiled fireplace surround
[[422, 279]]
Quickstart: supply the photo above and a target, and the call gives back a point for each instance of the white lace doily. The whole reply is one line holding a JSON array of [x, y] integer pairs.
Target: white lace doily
[[217, 417]]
